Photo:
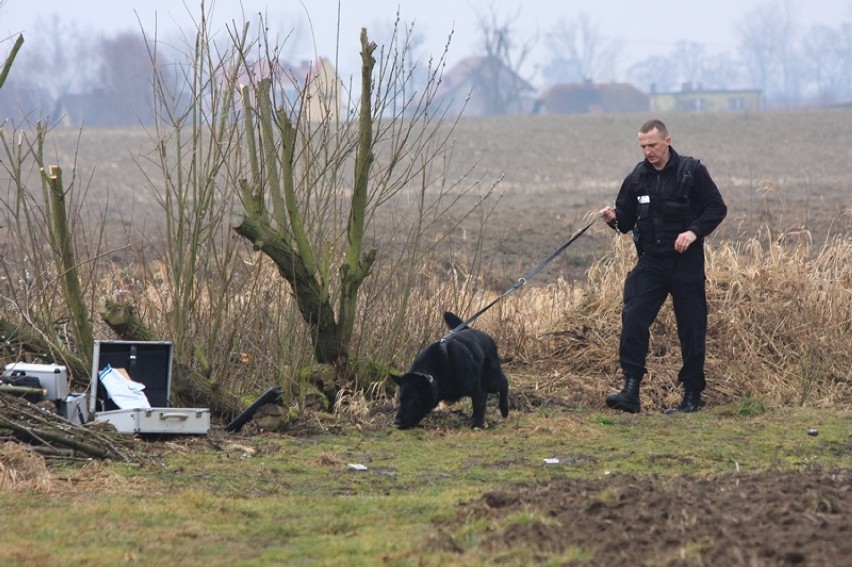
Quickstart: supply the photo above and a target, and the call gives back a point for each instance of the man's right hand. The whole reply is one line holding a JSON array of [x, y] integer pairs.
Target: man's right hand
[[608, 214]]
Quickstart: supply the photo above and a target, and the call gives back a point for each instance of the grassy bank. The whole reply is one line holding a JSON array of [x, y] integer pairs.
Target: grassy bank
[[295, 499]]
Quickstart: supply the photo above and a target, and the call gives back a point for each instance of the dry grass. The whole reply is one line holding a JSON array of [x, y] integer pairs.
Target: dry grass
[[780, 319], [783, 321], [24, 469]]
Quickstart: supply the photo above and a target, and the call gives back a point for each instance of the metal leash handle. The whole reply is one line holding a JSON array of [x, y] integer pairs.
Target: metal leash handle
[[522, 281]]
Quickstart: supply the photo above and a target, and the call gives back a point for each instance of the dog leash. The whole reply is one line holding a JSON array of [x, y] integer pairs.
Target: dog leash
[[522, 281]]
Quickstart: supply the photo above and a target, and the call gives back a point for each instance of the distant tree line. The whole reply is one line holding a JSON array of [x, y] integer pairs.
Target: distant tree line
[[791, 65], [77, 78]]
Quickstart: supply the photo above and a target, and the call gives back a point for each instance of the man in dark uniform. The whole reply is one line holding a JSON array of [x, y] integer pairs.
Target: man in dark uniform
[[670, 203]]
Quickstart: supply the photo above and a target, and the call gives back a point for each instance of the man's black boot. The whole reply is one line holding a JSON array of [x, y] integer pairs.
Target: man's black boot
[[628, 398], [691, 403]]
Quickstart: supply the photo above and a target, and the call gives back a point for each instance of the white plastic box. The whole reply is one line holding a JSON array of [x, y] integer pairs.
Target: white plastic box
[[150, 363], [53, 377]]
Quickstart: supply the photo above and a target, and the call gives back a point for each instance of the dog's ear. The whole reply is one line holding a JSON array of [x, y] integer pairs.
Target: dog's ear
[[452, 320], [396, 378]]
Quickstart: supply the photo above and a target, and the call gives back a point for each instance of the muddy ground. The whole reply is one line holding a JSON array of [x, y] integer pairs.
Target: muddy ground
[[775, 518], [764, 519]]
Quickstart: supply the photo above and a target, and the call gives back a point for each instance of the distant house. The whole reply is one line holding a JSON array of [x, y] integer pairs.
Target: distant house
[[313, 82], [694, 98], [591, 98], [483, 86]]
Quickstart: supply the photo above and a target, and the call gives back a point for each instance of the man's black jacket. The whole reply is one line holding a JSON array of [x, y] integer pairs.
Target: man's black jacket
[[654, 195]]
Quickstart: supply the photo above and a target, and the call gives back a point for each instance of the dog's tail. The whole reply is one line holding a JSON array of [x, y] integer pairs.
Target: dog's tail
[[452, 320]]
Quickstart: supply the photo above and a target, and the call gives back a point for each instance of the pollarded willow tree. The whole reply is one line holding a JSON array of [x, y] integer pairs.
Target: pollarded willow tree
[[305, 163], [304, 158], [282, 231]]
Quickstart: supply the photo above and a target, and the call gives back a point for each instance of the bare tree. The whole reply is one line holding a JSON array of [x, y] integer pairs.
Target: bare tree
[[688, 59], [125, 74], [257, 144], [688, 64], [578, 51], [844, 48], [61, 59], [767, 42], [656, 74], [499, 79], [823, 52], [399, 41], [721, 71]]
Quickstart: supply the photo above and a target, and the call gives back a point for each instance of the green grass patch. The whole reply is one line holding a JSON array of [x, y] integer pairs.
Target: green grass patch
[[298, 500], [746, 407]]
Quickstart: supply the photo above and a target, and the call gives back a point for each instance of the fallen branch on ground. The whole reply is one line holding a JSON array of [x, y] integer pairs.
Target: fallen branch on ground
[[54, 434]]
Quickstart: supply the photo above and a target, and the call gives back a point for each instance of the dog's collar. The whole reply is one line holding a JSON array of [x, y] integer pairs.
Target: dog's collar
[[436, 396]]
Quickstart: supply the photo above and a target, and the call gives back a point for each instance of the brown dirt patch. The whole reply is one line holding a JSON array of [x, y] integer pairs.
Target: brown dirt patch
[[771, 518]]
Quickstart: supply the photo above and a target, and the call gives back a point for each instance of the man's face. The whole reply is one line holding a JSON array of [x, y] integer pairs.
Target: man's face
[[655, 147]]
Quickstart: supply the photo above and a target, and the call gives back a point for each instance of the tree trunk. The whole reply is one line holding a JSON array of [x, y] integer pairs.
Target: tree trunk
[[357, 266], [315, 309], [66, 264], [23, 391], [122, 317], [286, 243]]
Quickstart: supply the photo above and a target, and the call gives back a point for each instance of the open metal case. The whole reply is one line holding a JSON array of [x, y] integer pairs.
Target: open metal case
[[149, 363]]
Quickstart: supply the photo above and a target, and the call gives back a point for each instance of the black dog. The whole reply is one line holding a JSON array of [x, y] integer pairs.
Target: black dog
[[465, 364]]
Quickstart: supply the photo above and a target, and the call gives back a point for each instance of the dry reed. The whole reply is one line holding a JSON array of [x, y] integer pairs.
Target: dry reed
[[779, 321], [22, 469], [780, 318]]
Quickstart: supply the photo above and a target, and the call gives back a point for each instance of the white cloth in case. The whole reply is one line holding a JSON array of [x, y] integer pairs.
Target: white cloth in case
[[124, 392]]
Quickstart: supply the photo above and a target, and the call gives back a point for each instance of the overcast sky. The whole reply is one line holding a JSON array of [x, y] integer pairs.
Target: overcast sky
[[641, 28]]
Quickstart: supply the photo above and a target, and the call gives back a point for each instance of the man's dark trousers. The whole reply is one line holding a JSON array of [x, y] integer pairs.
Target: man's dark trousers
[[645, 290]]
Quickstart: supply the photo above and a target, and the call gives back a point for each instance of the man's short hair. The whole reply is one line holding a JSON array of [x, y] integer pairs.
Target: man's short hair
[[655, 123]]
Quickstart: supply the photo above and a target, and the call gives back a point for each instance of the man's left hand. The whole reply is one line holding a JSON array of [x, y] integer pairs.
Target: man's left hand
[[684, 240]]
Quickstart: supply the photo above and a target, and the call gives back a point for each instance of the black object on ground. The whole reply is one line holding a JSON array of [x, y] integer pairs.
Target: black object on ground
[[268, 397]]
